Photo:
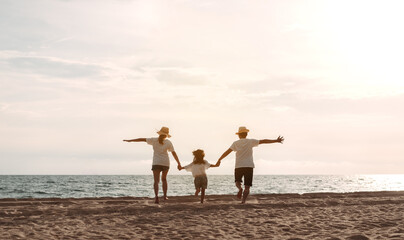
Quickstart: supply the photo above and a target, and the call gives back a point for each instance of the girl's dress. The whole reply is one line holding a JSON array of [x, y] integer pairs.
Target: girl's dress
[[199, 173]]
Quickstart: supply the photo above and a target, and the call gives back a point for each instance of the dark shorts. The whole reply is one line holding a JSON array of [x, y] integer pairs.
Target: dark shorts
[[159, 168], [245, 172], [201, 181]]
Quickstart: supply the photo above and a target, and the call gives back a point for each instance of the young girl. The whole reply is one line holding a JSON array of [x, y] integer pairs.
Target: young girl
[[197, 167]]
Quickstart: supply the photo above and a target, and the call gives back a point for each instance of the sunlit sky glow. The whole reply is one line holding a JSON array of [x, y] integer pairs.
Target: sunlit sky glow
[[77, 77]]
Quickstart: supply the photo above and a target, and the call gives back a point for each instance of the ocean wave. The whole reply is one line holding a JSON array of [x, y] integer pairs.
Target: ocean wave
[[104, 183], [17, 191], [41, 193], [26, 196], [78, 190]]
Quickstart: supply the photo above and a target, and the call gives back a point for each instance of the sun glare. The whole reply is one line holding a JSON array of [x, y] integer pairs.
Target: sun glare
[[369, 37], [385, 181], [147, 12]]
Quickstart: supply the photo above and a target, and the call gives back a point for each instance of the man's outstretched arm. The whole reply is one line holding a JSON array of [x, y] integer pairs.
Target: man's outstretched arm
[[223, 156], [136, 140], [279, 140]]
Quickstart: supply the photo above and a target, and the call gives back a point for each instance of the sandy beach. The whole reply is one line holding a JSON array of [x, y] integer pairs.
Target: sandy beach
[[366, 215]]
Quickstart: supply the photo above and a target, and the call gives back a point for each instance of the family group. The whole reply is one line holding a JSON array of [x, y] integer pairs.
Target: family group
[[243, 169]]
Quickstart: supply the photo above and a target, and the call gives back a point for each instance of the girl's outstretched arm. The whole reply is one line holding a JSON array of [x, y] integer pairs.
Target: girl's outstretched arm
[[136, 140], [186, 167]]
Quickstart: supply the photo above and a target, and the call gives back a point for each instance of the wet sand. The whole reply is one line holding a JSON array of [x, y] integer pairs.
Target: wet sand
[[355, 216]]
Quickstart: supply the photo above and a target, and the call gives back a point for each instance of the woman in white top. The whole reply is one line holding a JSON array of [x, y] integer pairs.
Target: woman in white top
[[161, 161]]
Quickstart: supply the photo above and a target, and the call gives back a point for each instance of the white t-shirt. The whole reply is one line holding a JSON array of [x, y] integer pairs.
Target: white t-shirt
[[244, 152], [197, 169], [160, 153]]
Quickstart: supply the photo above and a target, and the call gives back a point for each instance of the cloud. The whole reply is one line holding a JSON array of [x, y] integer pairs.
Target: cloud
[[3, 106], [330, 106], [178, 77], [274, 84], [53, 67]]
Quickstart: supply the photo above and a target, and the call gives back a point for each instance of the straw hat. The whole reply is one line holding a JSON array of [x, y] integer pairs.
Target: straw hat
[[164, 131], [242, 130]]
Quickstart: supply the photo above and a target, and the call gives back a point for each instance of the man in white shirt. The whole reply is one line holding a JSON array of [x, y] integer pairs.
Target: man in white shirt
[[244, 160]]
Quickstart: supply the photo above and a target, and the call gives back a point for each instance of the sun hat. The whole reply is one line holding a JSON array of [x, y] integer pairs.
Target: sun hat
[[164, 131], [242, 130]]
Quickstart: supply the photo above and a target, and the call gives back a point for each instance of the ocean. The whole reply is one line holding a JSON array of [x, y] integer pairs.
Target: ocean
[[80, 186]]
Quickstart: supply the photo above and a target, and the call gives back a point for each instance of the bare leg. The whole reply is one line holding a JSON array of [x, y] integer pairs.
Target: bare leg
[[202, 195], [240, 190], [245, 193], [156, 175], [164, 180], [197, 190]]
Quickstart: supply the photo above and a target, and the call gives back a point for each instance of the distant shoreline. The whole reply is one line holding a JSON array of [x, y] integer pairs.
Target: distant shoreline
[[187, 174], [226, 196]]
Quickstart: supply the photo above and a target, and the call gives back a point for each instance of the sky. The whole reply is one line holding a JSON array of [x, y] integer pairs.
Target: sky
[[79, 76]]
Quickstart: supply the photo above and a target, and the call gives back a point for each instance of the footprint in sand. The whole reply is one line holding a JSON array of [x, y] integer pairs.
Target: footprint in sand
[[151, 203], [357, 237]]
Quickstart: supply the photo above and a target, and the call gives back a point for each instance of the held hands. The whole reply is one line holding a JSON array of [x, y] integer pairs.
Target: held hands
[[280, 139]]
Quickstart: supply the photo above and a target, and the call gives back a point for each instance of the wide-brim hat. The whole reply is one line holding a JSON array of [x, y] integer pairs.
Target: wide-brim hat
[[242, 130], [164, 131]]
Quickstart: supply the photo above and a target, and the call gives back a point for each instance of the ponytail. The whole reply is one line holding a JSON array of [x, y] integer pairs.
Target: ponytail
[[161, 139]]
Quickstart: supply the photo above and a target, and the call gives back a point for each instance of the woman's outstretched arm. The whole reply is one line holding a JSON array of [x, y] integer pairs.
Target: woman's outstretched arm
[[176, 159], [136, 140]]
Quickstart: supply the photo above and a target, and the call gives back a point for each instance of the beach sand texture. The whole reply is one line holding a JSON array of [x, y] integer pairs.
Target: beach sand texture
[[356, 216]]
